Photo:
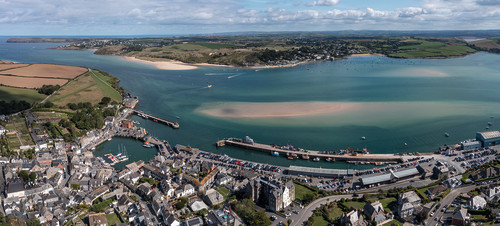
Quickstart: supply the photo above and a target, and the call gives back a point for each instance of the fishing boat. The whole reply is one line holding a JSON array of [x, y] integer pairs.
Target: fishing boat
[[306, 157], [316, 159], [275, 153]]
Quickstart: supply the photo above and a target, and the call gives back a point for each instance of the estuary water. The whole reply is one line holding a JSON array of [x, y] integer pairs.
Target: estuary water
[[317, 106]]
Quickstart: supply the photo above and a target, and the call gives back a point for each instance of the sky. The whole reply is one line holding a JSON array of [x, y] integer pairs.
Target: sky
[[183, 17]]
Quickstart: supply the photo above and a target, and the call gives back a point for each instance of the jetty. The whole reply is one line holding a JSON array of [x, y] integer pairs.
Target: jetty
[[145, 115], [351, 157]]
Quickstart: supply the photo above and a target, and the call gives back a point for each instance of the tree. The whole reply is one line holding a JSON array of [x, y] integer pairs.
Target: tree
[[32, 176], [23, 174], [33, 222], [105, 101], [75, 186]]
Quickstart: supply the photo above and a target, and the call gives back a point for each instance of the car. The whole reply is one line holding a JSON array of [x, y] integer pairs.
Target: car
[[411, 181], [436, 218], [296, 211], [273, 217], [432, 214]]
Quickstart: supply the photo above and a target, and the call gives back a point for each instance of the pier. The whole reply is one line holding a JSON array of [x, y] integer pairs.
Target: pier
[[357, 157], [174, 125]]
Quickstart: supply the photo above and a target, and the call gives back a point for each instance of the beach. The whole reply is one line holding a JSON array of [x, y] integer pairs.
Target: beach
[[164, 65]]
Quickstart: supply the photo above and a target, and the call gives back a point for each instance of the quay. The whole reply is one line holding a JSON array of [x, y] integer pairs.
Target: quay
[[174, 125], [356, 157]]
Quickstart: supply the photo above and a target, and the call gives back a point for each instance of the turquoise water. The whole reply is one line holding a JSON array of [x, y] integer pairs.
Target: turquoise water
[[398, 100]]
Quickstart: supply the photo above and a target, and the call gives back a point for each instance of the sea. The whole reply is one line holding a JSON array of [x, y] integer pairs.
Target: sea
[[403, 105]]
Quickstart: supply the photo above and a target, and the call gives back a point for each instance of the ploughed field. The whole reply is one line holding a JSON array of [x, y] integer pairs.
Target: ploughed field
[[36, 75]]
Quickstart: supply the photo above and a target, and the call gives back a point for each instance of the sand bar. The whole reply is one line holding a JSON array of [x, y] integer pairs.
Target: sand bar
[[164, 65], [276, 109]]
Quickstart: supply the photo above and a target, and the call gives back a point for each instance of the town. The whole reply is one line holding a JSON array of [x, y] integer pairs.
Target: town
[[56, 182]]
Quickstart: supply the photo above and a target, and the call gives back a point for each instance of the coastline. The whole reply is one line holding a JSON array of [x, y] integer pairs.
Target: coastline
[[163, 65]]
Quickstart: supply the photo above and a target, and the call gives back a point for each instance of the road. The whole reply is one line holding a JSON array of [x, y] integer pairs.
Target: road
[[448, 200], [307, 212]]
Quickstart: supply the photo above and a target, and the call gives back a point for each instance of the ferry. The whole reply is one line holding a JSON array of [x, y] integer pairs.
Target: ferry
[[316, 159], [306, 157], [276, 153]]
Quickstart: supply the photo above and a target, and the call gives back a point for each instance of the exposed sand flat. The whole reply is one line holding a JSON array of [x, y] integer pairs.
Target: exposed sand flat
[[9, 66], [47, 70], [164, 65], [23, 82], [279, 109]]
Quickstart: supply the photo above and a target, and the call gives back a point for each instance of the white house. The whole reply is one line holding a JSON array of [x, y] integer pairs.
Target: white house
[[477, 202]]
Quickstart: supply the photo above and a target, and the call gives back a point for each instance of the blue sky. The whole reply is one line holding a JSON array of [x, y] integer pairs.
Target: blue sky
[[177, 17]]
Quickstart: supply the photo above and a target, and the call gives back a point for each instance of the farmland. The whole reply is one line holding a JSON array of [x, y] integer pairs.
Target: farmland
[[28, 95], [46, 71], [91, 87], [432, 48], [23, 82]]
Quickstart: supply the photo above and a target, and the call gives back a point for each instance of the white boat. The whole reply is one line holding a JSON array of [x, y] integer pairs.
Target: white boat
[[109, 139], [446, 134], [316, 159], [363, 138], [209, 86], [406, 144]]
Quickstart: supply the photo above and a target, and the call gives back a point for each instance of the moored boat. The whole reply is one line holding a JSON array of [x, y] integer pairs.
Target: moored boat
[[275, 153], [329, 159], [316, 159], [306, 157]]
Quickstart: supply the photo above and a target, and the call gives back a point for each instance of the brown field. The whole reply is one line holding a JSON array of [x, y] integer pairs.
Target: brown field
[[21, 82], [47, 70], [9, 66], [487, 43]]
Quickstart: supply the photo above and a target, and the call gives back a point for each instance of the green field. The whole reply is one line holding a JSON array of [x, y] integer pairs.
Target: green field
[[334, 212], [113, 219], [393, 222], [301, 190], [319, 221], [211, 45], [29, 95], [354, 204], [432, 48], [89, 87], [223, 191], [385, 202]]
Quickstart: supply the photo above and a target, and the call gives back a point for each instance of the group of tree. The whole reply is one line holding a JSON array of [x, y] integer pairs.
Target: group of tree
[[7, 108], [246, 210], [27, 177], [48, 89]]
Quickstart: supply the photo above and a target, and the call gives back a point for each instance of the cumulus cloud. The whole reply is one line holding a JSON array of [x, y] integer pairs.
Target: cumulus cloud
[[323, 3], [206, 16]]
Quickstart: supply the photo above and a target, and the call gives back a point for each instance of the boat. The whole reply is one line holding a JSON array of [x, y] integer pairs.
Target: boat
[[306, 157], [118, 155], [178, 117], [329, 159], [487, 127], [109, 139], [290, 157], [490, 124], [406, 144], [294, 155], [275, 153], [446, 134], [363, 138], [316, 159], [93, 148], [209, 86]]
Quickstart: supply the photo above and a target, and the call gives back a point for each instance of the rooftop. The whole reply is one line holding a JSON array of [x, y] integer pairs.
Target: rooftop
[[490, 134], [322, 170]]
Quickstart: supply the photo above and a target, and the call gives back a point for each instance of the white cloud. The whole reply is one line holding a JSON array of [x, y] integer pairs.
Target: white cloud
[[323, 3]]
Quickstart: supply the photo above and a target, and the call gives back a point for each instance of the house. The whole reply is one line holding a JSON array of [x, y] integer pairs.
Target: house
[[167, 188], [460, 217], [197, 206], [353, 218], [171, 220], [435, 191], [193, 222], [98, 219], [439, 172], [272, 194], [185, 190], [213, 197], [492, 194], [408, 204], [477, 202], [375, 212]]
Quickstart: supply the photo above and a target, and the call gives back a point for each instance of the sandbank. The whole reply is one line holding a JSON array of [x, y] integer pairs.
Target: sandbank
[[164, 65], [276, 109]]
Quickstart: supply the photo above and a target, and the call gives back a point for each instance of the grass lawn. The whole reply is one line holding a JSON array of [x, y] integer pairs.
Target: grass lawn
[[223, 191], [393, 222], [478, 217], [113, 219], [385, 203], [319, 221], [354, 204], [90, 87], [301, 190], [335, 212], [29, 95]]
